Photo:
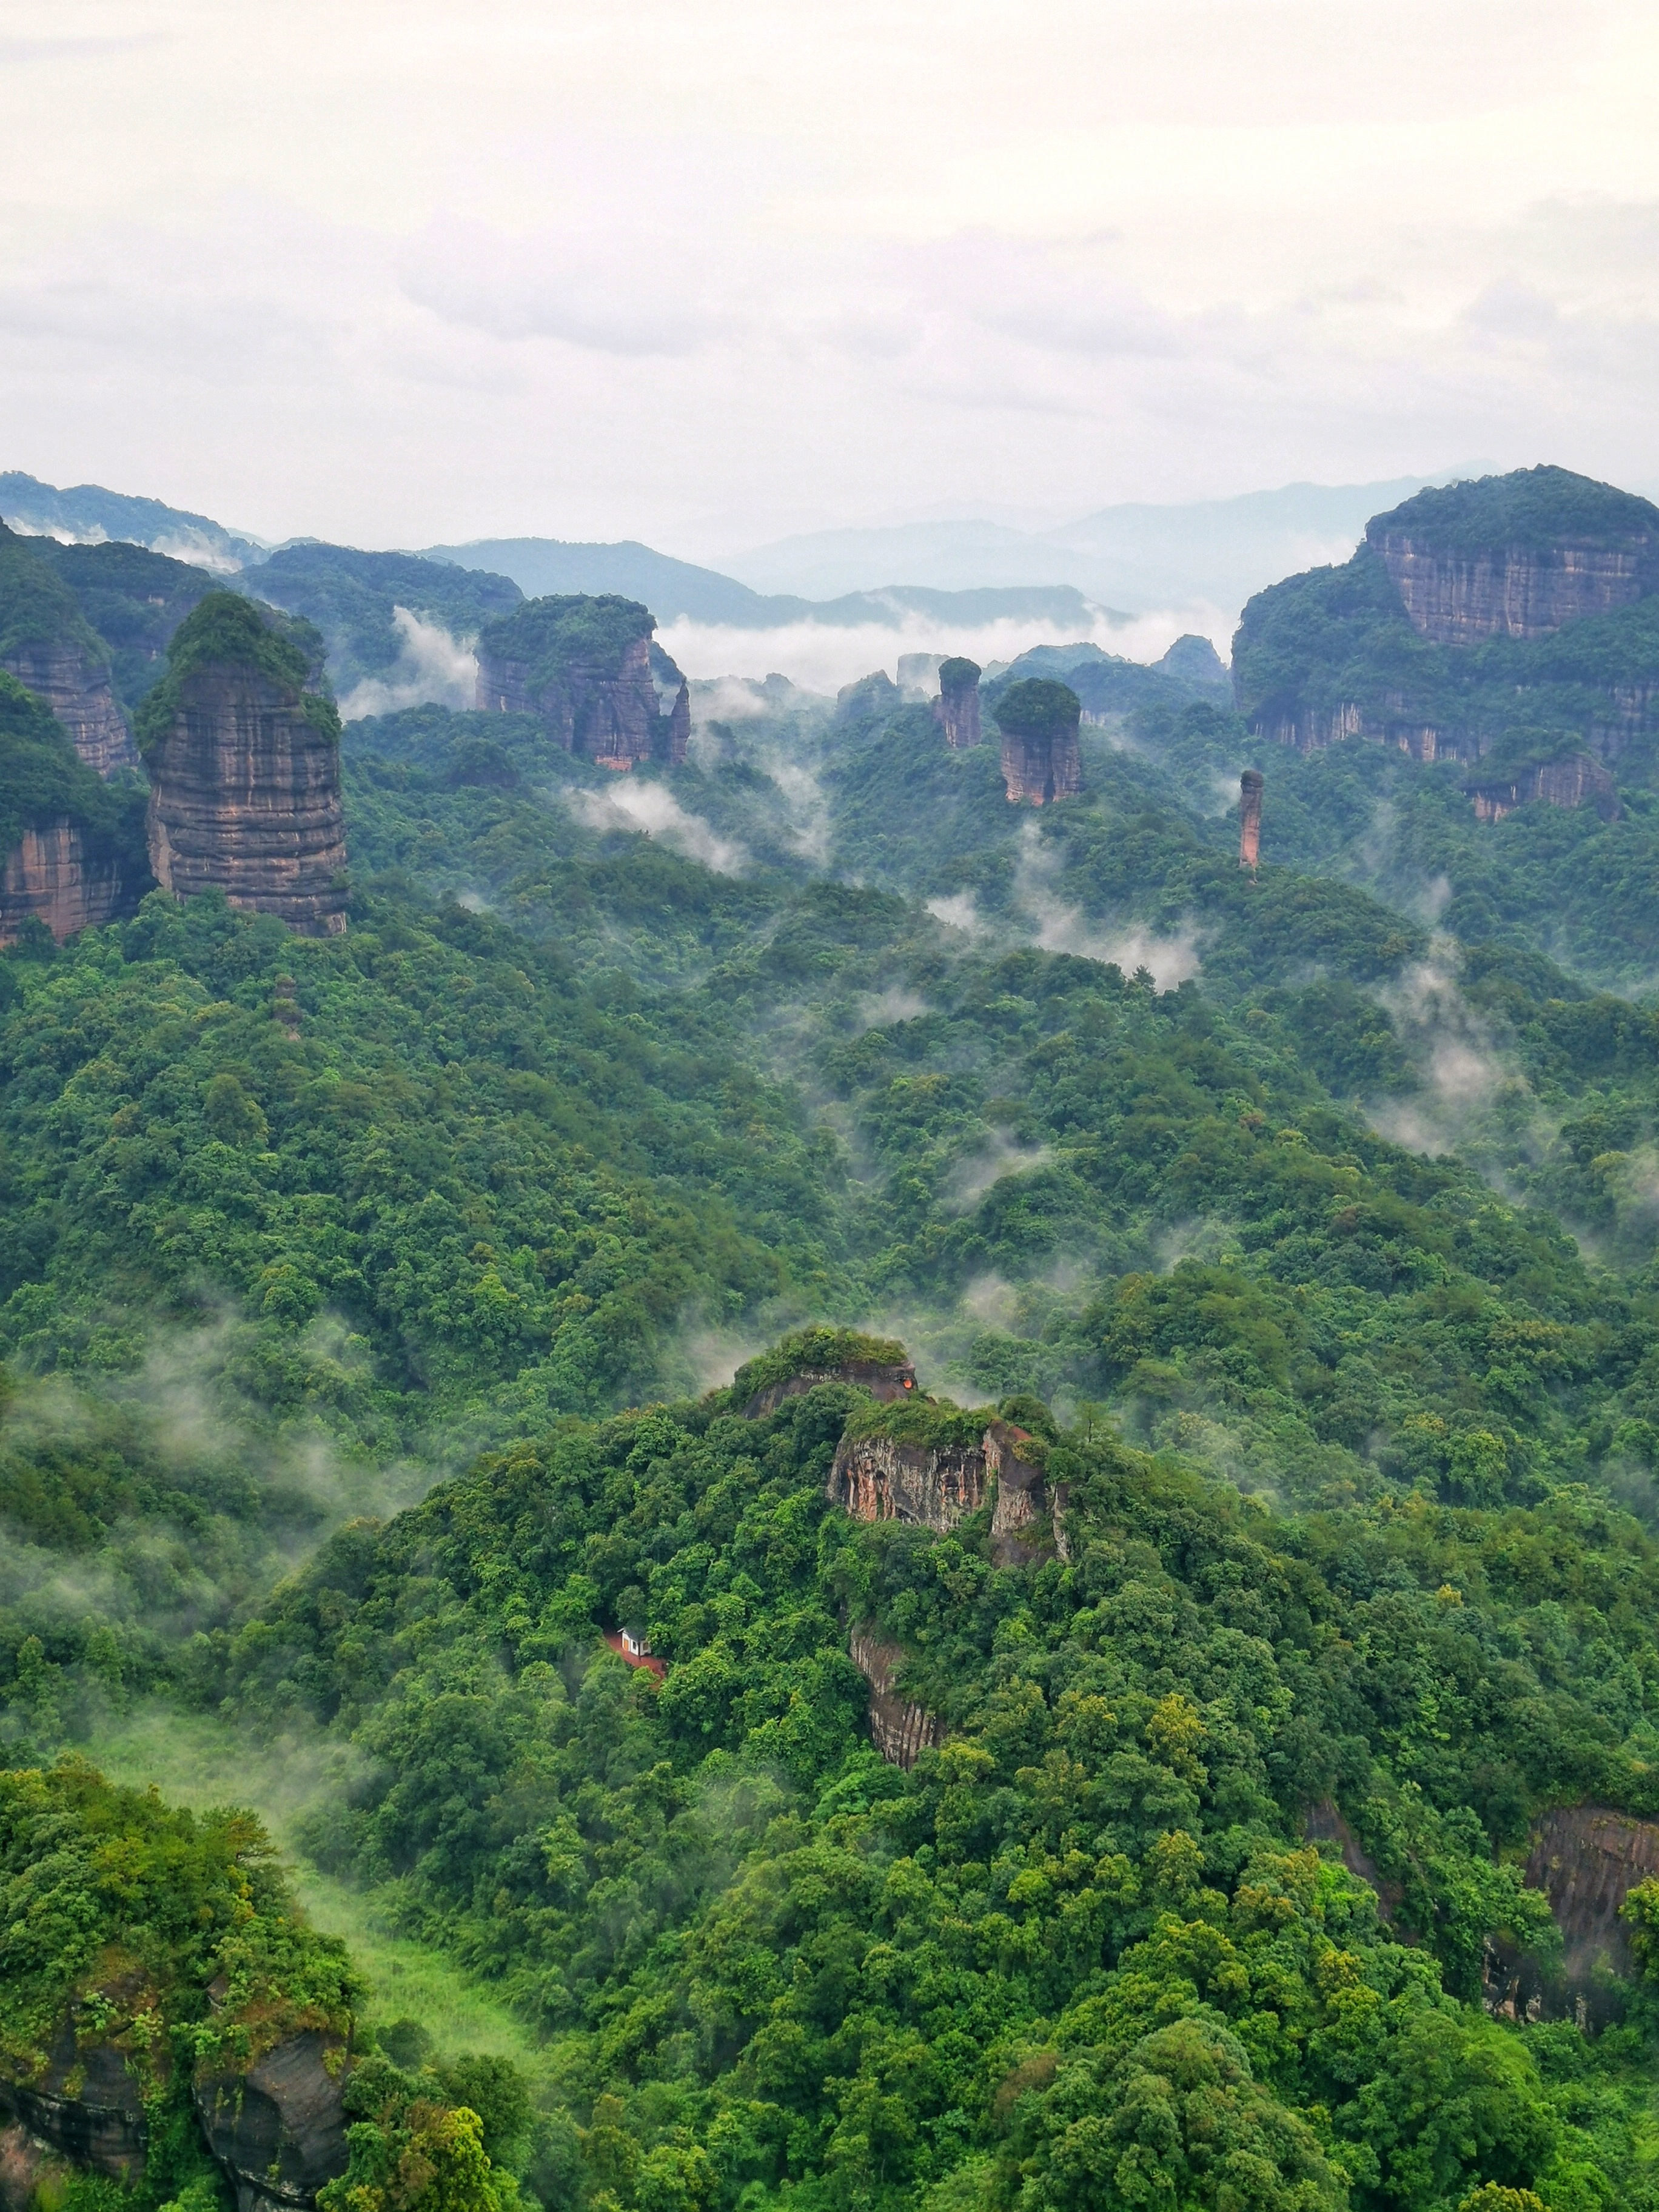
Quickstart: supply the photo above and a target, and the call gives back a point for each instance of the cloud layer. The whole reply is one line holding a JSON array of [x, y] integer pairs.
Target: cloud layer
[[705, 275]]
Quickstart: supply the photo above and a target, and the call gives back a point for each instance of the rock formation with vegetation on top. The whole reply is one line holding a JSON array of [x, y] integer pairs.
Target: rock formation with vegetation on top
[[47, 644], [244, 762], [958, 706], [1251, 784], [1040, 761], [584, 667], [1519, 612]]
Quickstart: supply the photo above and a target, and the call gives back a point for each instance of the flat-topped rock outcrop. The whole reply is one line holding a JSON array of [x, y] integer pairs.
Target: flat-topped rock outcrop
[[47, 644], [244, 762], [587, 668], [809, 1357], [1520, 555], [1041, 759]]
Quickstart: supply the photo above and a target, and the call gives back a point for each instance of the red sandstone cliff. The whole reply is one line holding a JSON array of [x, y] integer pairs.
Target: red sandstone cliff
[[956, 707], [900, 1729], [1568, 783], [588, 669], [1041, 759], [875, 1478], [1250, 784], [77, 688], [245, 799], [245, 772], [1459, 597], [52, 876]]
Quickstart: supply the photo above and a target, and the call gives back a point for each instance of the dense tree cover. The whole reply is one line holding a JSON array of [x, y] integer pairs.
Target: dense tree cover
[[37, 607], [1528, 509], [771, 1963], [1344, 1426], [549, 634], [134, 599], [351, 597]]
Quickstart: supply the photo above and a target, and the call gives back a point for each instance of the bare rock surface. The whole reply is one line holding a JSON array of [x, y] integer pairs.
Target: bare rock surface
[[883, 1379], [956, 707], [245, 799], [1570, 783], [51, 877], [278, 2129], [599, 691], [77, 690], [1458, 599], [900, 1729], [85, 2103], [1042, 761]]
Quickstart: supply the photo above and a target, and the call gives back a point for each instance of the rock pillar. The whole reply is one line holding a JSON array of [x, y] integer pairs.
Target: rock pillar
[[956, 707], [1249, 817], [1041, 759]]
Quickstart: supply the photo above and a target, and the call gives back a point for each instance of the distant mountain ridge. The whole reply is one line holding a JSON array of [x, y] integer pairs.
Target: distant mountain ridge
[[87, 514]]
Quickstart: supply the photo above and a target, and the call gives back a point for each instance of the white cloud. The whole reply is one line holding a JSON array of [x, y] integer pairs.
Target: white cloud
[[652, 810], [1061, 928], [432, 667]]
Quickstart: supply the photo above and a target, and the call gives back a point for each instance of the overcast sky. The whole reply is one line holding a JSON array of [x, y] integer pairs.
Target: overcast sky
[[704, 271]]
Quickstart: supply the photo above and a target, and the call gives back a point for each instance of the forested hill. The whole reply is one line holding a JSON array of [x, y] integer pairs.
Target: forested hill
[[370, 1306]]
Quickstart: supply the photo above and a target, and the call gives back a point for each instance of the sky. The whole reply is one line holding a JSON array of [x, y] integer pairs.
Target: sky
[[705, 272]]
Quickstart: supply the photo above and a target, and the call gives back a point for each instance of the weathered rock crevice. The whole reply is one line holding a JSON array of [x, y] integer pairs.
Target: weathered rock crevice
[[277, 2128]]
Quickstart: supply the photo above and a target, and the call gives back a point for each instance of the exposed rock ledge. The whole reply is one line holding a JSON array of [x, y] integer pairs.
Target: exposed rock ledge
[[876, 1478], [883, 1379], [1456, 598], [246, 798], [1568, 783], [278, 2129]]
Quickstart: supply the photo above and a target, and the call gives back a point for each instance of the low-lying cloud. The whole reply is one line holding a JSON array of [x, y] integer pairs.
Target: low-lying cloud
[[822, 656], [433, 669], [650, 810], [1062, 927]]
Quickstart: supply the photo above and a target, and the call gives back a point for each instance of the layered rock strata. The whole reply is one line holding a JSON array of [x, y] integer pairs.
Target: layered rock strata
[[587, 670], [956, 707], [1027, 1513], [77, 688], [1456, 597], [1568, 783], [52, 876], [1586, 1859], [245, 799], [277, 2127], [1041, 759], [900, 1729], [1250, 787]]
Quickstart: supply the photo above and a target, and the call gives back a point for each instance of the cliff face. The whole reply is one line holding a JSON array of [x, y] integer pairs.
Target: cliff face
[[876, 1478], [1041, 759], [587, 669], [52, 876], [1250, 786], [1569, 783], [278, 2127], [956, 707], [245, 768], [78, 691], [1457, 599], [88, 2105], [900, 1729], [245, 799], [885, 1380]]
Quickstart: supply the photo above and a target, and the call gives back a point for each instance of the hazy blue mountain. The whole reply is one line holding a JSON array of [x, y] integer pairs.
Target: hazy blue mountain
[[678, 589], [87, 514], [1137, 557]]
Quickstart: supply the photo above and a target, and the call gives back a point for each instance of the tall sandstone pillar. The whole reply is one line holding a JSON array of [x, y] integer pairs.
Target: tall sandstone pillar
[[957, 705], [1250, 787], [244, 764], [1041, 759]]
